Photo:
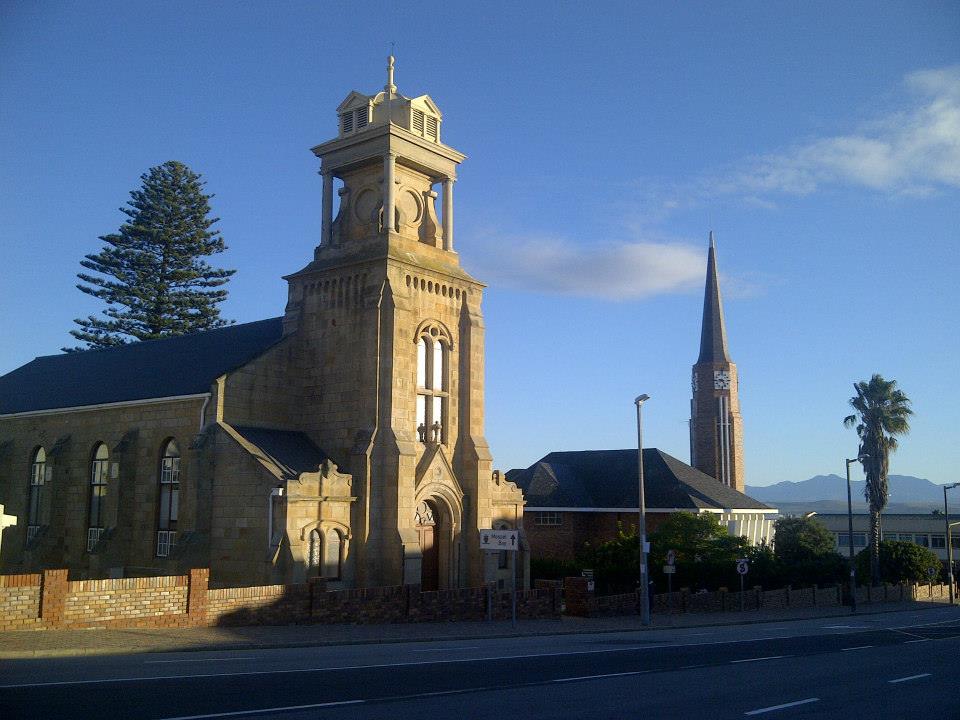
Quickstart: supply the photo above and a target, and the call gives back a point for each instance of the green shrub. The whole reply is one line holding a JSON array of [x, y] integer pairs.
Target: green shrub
[[900, 562]]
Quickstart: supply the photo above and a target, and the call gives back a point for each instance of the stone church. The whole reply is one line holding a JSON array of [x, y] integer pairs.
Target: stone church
[[344, 439]]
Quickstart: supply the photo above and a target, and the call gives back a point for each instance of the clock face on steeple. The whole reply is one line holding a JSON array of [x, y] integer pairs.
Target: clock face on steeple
[[721, 380]]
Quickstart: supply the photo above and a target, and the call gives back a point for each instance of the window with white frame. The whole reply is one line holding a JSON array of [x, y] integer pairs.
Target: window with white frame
[[859, 540], [548, 517], [169, 507], [433, 353], [38, 474], [314, 557], [99, 475], [332, 555]]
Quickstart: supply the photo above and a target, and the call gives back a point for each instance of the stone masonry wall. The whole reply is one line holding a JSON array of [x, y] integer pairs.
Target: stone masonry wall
[[135, 436]]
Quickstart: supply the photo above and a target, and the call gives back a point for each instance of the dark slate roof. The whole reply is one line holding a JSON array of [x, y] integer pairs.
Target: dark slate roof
[[608, 479], [184, 365], [292, 452]]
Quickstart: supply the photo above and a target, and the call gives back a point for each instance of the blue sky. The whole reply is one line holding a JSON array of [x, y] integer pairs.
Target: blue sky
[[820, 141]]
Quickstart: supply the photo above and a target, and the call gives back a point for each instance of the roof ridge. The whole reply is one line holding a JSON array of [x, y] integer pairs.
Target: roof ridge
[[138, 343]]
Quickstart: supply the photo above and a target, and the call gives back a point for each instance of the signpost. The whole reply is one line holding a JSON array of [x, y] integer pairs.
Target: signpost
[[495, 541], [588, 574], [669, 569], [743, 567]]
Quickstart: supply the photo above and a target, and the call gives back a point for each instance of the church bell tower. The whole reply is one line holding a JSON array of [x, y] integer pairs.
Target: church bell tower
[[392, 340], [716, 428]]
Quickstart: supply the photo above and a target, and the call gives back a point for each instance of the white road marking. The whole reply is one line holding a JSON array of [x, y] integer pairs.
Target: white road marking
[[939, 622], [607, 675], [904, 632], [909, 677], [389, 665], [768, 657], [858, 647], [469, 647], [235, 713], [845, 627], [759, 711], [907, 642], [158, 662]]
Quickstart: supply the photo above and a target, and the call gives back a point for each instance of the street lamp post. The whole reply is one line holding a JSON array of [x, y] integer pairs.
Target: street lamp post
[[853, 564], [946, 524], [642, 527]]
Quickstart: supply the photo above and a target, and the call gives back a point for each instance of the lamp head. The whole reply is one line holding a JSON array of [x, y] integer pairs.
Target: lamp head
[[951, 486], [640, 399]]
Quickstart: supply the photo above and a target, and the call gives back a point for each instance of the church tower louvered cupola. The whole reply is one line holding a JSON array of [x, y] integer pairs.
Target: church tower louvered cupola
[[716, 428]]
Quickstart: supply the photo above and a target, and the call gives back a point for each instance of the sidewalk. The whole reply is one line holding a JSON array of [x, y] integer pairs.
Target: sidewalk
[[66, 643]]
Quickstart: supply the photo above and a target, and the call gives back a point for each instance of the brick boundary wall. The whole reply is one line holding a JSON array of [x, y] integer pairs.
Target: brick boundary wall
[[50, 601], [581, 602]]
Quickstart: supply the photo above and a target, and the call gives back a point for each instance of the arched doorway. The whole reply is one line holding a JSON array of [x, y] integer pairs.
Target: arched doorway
[[428, 530]]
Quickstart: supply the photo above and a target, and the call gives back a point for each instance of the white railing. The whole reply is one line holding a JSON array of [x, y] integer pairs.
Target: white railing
[[166, 541], [93, 537]]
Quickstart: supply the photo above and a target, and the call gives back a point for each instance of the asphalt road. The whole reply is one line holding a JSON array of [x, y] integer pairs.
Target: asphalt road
[[901, 665]]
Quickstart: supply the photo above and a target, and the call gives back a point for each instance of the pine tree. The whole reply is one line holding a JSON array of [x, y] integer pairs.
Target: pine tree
[[154, 278]]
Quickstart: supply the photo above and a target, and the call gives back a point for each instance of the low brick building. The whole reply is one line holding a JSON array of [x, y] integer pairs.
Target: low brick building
[[582, 496]]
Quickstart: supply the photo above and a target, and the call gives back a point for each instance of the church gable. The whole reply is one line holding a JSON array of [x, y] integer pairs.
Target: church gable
[[435, 475]]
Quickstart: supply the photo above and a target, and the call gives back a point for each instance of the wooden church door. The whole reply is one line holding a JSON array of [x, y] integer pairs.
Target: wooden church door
[[430, 559]]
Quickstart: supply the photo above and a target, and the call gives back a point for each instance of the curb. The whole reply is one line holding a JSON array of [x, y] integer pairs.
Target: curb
[[268, 645]]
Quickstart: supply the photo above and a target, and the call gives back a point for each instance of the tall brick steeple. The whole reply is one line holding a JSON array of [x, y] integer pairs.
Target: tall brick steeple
[[716, 428], [713, 332]]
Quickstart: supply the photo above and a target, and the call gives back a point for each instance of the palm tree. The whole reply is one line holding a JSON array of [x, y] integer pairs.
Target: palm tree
[[881, 414]]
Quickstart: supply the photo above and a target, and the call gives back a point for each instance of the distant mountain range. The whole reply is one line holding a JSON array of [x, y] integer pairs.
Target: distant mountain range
[[828, 493]]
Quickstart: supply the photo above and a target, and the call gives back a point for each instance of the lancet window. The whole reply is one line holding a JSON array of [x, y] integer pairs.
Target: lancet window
[[37, 478], [99, 474], [433, 373], [169, 499]]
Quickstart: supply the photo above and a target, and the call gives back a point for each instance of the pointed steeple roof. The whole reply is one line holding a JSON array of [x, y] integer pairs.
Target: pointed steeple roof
[[713, 334]]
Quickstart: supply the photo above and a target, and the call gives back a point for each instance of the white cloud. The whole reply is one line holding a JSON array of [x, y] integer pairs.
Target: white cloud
[[610, 271], [913, 151]]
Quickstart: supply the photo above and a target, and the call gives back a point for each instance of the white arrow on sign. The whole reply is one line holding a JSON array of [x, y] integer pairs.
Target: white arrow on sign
[[671, 557], [743, 567], [497, 540]]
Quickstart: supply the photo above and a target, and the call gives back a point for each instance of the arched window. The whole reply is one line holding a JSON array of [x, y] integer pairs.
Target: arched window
[[433, 372], [333, 555], [99, 474], [38, 472], [314, 559], [169, 499]]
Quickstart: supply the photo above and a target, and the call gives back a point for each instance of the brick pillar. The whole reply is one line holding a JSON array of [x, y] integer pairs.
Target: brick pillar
[[577, 595], [53, 597], [197, 586]]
